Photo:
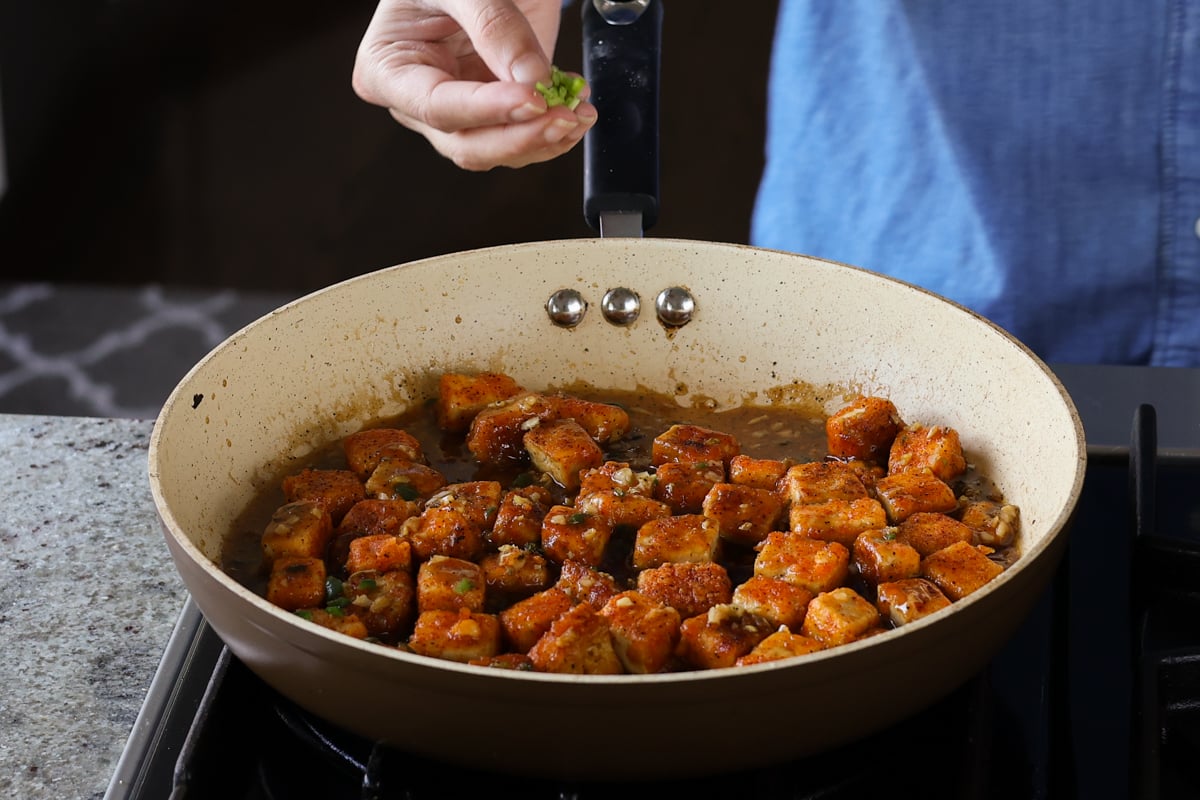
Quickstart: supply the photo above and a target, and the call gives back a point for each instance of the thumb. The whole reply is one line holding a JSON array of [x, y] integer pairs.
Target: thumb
[[503, 38]]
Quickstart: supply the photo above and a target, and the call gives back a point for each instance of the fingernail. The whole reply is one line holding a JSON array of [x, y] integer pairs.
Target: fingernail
[[530, 69], [530, 110], [559, 128], [587, 113]]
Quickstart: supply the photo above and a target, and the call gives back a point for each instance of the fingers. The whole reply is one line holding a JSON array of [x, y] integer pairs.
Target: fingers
[[504, 39]]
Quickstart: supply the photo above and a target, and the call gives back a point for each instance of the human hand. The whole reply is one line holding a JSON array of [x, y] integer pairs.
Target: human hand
[[462, 72]]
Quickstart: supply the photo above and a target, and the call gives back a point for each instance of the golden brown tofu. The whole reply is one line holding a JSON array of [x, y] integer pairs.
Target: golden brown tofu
[[446, 532], [460, 635], [477, 501], [689, 537], [569, 534], [618, 477], [936, 448], [959, 569], [372, 517], [603, 422], [450, 584], [460, 397], [578, 643], [622, 509], [909, 600], [720, 636], [908, 493], [644, 632], [688, 588], [302, 528], [297, 582], [381, 552], [822, 481], [992, 523], [777, 601], [515, 572], [365, 449], [880, 557], [562, 449], [337, 490], [689, 444], [839, 617], [837, 520], [761, 473], [928, 532], [863, 430], [514, 661], [811, 563], [347, 624], [780, 645], [683, 487], [743, 514], [497, 433], [399, 479], [586, 584], [519, 517], [525, 621], [385, 601]]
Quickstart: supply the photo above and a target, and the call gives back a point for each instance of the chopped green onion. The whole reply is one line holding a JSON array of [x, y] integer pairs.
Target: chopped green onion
[[333, 588], [405, 491], [335, 611], [304, 613], [464, 586], [367, 584], [578, 518], [563, 90]]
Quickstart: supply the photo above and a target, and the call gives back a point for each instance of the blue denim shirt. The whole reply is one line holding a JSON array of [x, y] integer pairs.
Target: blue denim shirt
[[1035, 160]]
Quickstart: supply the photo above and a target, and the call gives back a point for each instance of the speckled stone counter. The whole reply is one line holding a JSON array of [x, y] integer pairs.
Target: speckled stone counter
[[89, 600]]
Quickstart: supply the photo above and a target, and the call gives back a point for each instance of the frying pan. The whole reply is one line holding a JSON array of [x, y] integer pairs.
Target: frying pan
[[757, 326]]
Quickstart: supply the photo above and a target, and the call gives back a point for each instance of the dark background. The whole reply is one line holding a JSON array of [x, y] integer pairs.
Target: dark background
[[219, 144]]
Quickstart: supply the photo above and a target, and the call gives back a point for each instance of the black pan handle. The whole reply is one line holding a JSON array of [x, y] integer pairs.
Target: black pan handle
[[620, 152]]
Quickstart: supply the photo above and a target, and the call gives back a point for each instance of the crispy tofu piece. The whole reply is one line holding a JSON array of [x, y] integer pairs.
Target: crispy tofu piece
[[780, 645], [683, 486], [929, 532], [622, 509], [689, 444], [569, 534], [992, 523], [837, 520], [525, 621], [381, 552], [689, 537], [811, 563], [445, 583], [906, 493], [603, 422], [688, 588], [515, 572], [578, 643], [881, 557], [839, 617], [445, 531], [297, 582], [618, 477], [372, 517], [400, 479], [720, 636], [822, 481], [337, 490], [775, 600], [461, 635], [761, 473], [909, 600], [743, 514], [385, 601], [863, 430], [586, 584], [460, 397], [519, 517], [477, 501], [936, 448], [562, 449], [497, 434], [644, 632], [959, 569], [301, 528], [347, 624], [365, 449]]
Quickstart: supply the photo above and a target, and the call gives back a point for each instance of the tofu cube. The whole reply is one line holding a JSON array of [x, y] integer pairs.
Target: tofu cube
[[959, 570], [993, 523], [525, 621], [519, 517], [569, 534], [515, 572], [400, 479], [341, 622], [562, 449], [689, 444], [337, 490], [381, 553], [644, 632], [780, 645], [906, 493], [689, 588], [880, 557], [936, 448], [863, 430], [837, 520], [689, 537], [760, 473], [683, 486], [743, 514], [385, 601], [622, 510], [839, 617], [297, 582], [909, 600], [373, 517], [461, 635], [497, 434], [586, 584], [822, 481], [578, 643], [603, 422], [302, 528], [775, 600], [720, 636], [445, 532], [365, 449], [811, 563], [445, 583], [477, 501], [929, 532], [617, 477], [460, 397]]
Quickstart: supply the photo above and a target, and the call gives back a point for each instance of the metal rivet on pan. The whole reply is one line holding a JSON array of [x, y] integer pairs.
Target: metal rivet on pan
[[675, 306], [566, 308], [621, 306]]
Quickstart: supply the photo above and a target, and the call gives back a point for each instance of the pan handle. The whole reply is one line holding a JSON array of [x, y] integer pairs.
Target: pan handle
[[620, 152]]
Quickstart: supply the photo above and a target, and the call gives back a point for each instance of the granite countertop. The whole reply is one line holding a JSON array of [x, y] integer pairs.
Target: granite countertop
[[90, 599]]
